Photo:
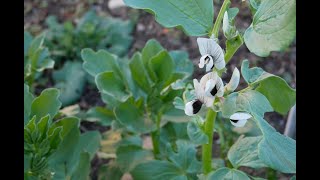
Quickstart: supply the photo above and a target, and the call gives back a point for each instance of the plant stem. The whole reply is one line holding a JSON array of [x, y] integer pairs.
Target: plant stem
[[217, 24], [155, 135], [207, 148]]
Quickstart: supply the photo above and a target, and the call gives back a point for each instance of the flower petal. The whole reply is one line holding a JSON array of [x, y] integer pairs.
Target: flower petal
[[210, 46], [234, 81], [211, 89], [202, 61], [211, 75], [192, 107], [197, 88], [220, 87], [209, 65], [208, 101], [203, 45], [238, 123], [240, 116]]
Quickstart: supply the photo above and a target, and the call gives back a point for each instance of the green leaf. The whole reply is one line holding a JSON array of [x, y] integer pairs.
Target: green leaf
[[293, 178], [72, 158], [151, 49], [232, 45], [178, 103], [185, 157], [172, 132], [162, 66], [110, 170], [182, 63], [109, 83], [36, 57], [117, 35], [251, 75], [131, 141], [66, 157], [254, 5], [126, 74], [282, 148], [245, 152], [273, 27], [257, 178], [227, 174], [83, 169], [110, 100], [133, 118], [98, 62], [130, 156], [195, 133], [27, 41], [101, 115], [194, 17], [67, 124], [89, 142], [248, 101], [28, 98], [217, 163], [55, 138], [46, 103], [158, 170], [139, 73], [43, 126], [70, 80], [280, 95]]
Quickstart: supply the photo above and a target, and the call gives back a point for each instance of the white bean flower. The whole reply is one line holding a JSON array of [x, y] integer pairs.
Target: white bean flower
[[209, 87], [234, 81], [212, 54], [239, 119]]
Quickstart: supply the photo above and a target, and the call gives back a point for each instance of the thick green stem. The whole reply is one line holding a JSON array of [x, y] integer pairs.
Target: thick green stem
[[207, 148], [218, 21], [156, 137]]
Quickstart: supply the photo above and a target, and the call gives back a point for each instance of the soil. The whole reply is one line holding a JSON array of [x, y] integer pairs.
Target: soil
[[282, 64]]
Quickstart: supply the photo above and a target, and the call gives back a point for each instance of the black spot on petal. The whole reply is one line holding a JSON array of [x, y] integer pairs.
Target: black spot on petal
[[214, 91], [234, 121], [213, 62], [207, 58], [196, 106]]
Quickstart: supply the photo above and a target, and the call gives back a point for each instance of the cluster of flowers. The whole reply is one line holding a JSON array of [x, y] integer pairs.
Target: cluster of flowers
[[211, 85]]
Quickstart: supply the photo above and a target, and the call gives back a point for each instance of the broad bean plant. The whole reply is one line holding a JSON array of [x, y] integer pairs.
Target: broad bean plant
[[53, 145], [151, 93]]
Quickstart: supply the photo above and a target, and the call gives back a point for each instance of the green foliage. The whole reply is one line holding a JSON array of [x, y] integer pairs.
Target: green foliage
[[196, 131], [193, 17], [280, 95], [181, 165], [54, 149], [226, 173], [70, 80], [282, 148], [142, 88], [36, 57], [244, 152], [67, 40], [273, 27]]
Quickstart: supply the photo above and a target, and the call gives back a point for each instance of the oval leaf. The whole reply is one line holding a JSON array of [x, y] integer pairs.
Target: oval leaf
[[273, 27], [193, 16]]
